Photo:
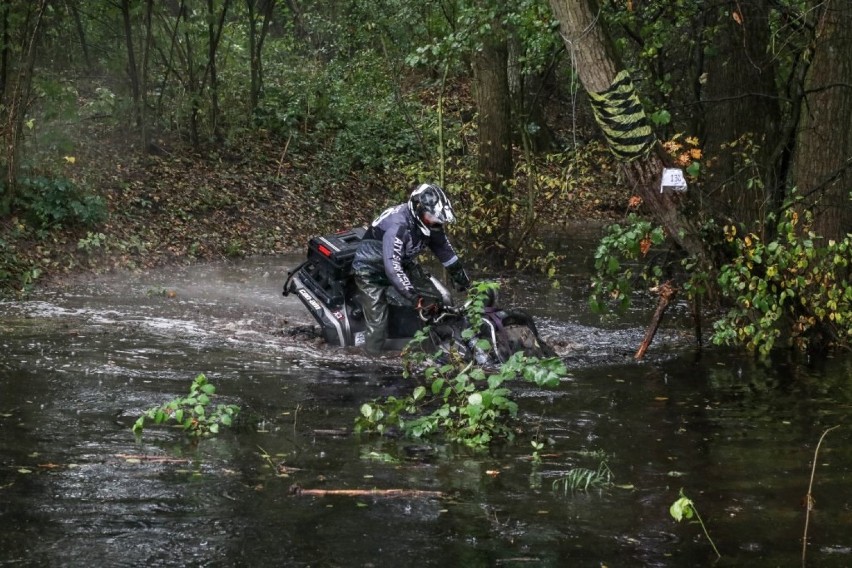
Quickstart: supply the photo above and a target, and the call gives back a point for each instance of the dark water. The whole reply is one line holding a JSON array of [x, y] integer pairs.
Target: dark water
[[77, 488]]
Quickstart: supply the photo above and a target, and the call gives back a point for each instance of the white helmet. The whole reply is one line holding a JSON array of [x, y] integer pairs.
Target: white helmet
[[430, 207]]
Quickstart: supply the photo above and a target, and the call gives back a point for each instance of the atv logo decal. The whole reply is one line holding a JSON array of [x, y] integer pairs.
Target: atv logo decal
[[310, 299]]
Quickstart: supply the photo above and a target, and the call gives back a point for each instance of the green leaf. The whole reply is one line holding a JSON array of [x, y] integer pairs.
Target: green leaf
[[419, 392], [437, 385], [680, 509]]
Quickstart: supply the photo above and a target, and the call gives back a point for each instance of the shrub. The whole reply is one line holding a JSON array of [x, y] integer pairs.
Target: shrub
[[793, 287], [54, 202]]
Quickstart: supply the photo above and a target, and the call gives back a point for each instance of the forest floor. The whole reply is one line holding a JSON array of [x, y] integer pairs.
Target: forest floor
[[176, 205]]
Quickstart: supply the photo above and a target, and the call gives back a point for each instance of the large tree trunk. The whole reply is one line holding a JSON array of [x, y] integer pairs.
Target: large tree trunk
[[600, 71], [740, 105], [495, 136], [823, 168]]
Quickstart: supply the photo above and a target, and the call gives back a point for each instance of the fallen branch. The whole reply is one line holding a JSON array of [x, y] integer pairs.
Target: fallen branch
[[667, 293], [145, 457], [296, 490]]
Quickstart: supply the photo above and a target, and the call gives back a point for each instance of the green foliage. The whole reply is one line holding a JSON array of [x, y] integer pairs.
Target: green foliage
[[49, 203], [617, 268], [326, 110], [91, 242], [194, 413], [789, 287], [684, 508], [457, 399], [581, 479]]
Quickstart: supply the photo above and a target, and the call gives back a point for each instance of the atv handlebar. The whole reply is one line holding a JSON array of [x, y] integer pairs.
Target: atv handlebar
[[434, 313]]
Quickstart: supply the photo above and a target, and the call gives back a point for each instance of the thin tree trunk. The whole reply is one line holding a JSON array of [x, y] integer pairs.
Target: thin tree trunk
[[149, 35], [78, 26], [17, 103], [214, 35], [4, 51], [132, 68], [256, 41]]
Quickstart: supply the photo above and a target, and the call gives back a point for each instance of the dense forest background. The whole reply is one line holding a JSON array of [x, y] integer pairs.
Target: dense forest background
[[138, 132]]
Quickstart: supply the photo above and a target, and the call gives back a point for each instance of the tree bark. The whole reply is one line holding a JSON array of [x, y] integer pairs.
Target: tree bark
[[823, 162]]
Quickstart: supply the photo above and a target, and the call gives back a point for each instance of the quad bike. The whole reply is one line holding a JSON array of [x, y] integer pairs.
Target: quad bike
[[325, 284]]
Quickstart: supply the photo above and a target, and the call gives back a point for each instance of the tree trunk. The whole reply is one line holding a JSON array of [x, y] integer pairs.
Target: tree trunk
[[78, 26], [823, 163], [256, 40], [601, 74], [146, 56], [132, 68], [17, 100], [740, 105], [4, 51], [214, 34], [494, 125]]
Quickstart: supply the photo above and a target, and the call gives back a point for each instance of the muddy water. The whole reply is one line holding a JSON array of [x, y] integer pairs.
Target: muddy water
[[77, 488]]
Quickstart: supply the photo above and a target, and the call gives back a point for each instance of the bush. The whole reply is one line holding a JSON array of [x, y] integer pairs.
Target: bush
[[789, 287], [55, 202]]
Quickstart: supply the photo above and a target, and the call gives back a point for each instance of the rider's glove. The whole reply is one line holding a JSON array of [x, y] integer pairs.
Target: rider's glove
[[410, 295], [461, 282]]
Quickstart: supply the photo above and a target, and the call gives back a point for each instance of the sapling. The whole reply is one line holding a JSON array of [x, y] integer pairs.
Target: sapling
[[684, 508]]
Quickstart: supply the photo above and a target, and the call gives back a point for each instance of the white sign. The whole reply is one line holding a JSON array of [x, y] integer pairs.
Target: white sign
[[672, 180]]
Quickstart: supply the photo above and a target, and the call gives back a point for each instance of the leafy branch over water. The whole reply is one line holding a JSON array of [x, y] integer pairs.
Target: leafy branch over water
[[194, 412], [462, 400]]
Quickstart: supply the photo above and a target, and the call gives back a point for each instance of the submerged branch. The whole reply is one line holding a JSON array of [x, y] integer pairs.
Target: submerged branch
[[296, 490], [148, 458]]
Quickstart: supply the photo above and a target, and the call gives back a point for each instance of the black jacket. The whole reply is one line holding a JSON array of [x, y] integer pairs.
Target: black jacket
[[393, 240]]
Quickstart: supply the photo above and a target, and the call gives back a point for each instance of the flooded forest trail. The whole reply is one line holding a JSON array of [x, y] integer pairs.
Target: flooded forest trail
[[81, 362]]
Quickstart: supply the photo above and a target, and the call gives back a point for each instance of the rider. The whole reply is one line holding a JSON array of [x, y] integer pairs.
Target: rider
[[390, 246]]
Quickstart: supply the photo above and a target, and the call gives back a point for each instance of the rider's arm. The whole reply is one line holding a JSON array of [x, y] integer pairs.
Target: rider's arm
[[440, 245], [393, 245]]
